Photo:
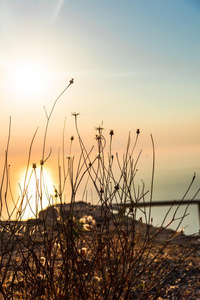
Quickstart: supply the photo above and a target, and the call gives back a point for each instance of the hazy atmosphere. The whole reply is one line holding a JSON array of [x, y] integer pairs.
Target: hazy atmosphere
[[99, 149], [135, 65]]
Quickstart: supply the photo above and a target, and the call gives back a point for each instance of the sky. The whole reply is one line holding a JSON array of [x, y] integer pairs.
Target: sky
[[135, 64]]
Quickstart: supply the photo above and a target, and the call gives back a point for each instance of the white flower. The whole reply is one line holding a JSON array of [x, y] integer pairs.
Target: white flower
[[42, 261], [83, 220], [83, 251], [57, 245], [93, 222], [89, 218], [87, 227], [95, 280]]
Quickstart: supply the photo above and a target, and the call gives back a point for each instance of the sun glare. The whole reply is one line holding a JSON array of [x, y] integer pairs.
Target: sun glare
[[38, 192], [29, 78]]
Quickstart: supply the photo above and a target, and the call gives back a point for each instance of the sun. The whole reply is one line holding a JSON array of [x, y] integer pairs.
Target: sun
[[29, 78], [37, 192]]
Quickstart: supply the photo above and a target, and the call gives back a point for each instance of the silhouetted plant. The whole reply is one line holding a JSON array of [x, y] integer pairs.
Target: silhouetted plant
[[86, 249]]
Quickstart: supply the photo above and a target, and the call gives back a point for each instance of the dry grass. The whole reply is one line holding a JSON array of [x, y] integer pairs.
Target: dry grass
[[85, 251]]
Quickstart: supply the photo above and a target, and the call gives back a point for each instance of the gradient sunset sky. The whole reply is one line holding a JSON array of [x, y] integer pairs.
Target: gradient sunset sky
[[135, 64]]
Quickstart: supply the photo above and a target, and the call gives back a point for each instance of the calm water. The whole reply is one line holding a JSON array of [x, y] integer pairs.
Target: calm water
[[190, 222]]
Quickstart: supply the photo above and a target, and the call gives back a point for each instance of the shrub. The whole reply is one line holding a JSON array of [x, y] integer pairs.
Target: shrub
[[83, 250]]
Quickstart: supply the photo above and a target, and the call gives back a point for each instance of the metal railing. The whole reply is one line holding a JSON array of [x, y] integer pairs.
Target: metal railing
[[162, 203]]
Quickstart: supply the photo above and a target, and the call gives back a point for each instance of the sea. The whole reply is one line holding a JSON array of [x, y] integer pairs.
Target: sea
[[163, 216]]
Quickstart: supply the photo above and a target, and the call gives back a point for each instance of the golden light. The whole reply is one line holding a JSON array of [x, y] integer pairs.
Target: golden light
[[28, 78], [37, 190]]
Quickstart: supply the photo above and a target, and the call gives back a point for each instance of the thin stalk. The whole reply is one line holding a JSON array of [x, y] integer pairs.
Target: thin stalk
[[49, 117], [152, 178]]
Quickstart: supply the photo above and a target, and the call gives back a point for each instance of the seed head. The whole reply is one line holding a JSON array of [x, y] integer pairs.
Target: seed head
[[111, 132], [99, 128], [69, 157], [75, 114], [101, 191], [117, 187], [98, 137], [56, 193]]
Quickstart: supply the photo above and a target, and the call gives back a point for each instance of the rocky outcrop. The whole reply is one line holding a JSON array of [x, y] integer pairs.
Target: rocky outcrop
[[80, 209]]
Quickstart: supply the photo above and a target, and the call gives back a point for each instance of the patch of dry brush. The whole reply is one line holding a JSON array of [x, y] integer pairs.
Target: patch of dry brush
[[80, 250]]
